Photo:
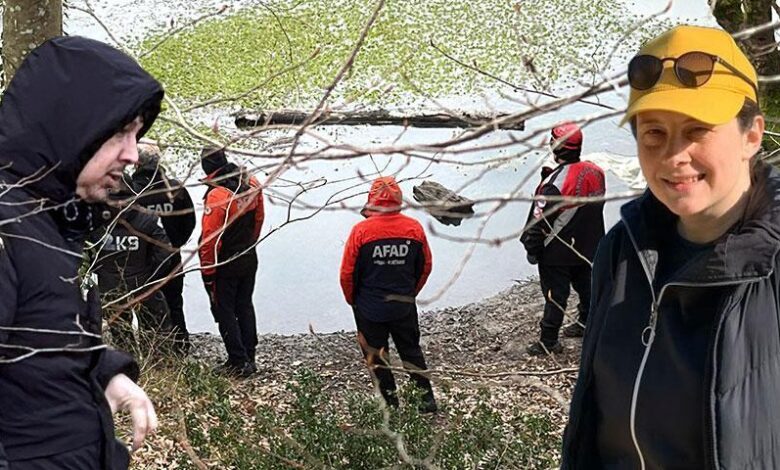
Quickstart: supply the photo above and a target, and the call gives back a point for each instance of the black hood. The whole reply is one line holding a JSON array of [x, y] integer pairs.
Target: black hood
[[228, 176], [68, 97], [148, 171], [565, 155]]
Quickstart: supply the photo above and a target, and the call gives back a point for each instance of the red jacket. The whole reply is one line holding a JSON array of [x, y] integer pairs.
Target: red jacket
[[232, 218], [581, 226], [386, 259]]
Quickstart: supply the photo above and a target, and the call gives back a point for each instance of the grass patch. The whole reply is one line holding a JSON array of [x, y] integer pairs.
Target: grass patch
[[562, 40], [228, 426]]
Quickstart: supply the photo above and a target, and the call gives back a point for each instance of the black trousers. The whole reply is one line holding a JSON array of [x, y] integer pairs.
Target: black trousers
[[173, 296], [406, 337], [153, 319], [89, 457], [556, 282], [235, 315]]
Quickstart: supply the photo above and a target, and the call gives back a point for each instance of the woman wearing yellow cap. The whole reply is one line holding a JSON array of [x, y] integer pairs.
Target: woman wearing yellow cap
[[681, 358]]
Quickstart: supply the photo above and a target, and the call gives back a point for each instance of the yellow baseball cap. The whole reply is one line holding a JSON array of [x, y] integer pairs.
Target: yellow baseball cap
[[715, 102]]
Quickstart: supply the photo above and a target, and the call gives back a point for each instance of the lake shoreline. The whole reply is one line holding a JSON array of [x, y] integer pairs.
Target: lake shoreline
[[471, 348], [516, 309]]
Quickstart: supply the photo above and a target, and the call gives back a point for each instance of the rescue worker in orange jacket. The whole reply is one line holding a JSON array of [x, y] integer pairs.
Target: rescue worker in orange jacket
[[563, 240], [386, 262], [232, 218]]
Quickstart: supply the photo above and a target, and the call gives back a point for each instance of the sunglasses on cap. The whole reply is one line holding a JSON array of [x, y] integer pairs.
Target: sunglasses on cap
[[692, 69]]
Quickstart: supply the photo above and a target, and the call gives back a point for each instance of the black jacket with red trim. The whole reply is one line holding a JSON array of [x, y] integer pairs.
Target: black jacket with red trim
[[232, 218], [557, 233], [386, 259]]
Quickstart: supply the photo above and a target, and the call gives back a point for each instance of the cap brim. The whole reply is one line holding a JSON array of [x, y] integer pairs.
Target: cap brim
[[711, 106]]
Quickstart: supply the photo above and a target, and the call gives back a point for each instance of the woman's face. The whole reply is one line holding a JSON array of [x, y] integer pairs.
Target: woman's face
[[697, 170]]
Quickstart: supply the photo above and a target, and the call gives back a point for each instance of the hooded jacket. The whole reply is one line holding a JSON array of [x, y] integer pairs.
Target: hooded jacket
[[635, 321], [386, 259], [232, 219], [167, 198], [68, 97], [581, 226]]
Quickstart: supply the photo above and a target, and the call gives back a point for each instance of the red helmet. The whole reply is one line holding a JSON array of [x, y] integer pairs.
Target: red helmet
[[566, 137]]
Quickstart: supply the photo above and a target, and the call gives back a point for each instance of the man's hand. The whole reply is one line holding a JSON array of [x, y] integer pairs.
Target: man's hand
[[123, 394]]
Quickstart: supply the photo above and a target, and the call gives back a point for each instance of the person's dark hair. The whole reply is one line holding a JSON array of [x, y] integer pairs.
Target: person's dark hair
[[745, 116], [212, 159], [148, 113]]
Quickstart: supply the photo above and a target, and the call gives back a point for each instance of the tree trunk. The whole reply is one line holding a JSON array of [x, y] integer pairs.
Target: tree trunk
[[736, 15], [729, 15], [27, 24]]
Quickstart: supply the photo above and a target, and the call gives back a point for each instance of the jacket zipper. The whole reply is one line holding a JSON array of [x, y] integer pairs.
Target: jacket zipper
[[648, 337], [649, 331]]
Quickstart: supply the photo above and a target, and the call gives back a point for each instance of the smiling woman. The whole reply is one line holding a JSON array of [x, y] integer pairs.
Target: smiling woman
[[699, 171], [681, 343]]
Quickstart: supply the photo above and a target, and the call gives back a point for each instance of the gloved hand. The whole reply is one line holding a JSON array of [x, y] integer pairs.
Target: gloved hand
[[210, 282], [123, 394], [531, 258]]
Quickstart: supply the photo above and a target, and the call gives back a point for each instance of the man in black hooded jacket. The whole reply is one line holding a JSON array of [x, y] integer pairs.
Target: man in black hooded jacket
[[69, 121], [168, 198]]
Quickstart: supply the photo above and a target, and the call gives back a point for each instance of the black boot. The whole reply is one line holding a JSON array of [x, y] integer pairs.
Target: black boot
[[538, 348], [427, 403], [241, 371], [575, 330]]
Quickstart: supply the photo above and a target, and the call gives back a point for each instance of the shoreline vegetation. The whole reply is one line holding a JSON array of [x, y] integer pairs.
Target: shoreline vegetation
[[285, 55], [311, 403]]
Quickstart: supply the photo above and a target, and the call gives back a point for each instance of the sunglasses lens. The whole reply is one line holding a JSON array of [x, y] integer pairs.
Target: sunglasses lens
[[644, 71], [694, 68]]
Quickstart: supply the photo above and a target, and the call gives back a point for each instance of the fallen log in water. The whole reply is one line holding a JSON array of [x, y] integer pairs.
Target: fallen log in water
[[376, 118]]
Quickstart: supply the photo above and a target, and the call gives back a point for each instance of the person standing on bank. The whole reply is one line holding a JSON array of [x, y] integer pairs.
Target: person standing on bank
[[562, 238], [167, 198], [232, 219], [69, 122], [131, 252], [680, 358], [386, 263]]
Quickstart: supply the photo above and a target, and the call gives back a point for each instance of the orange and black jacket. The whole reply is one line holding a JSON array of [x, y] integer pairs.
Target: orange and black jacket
[[232, 218], [386, 259]]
